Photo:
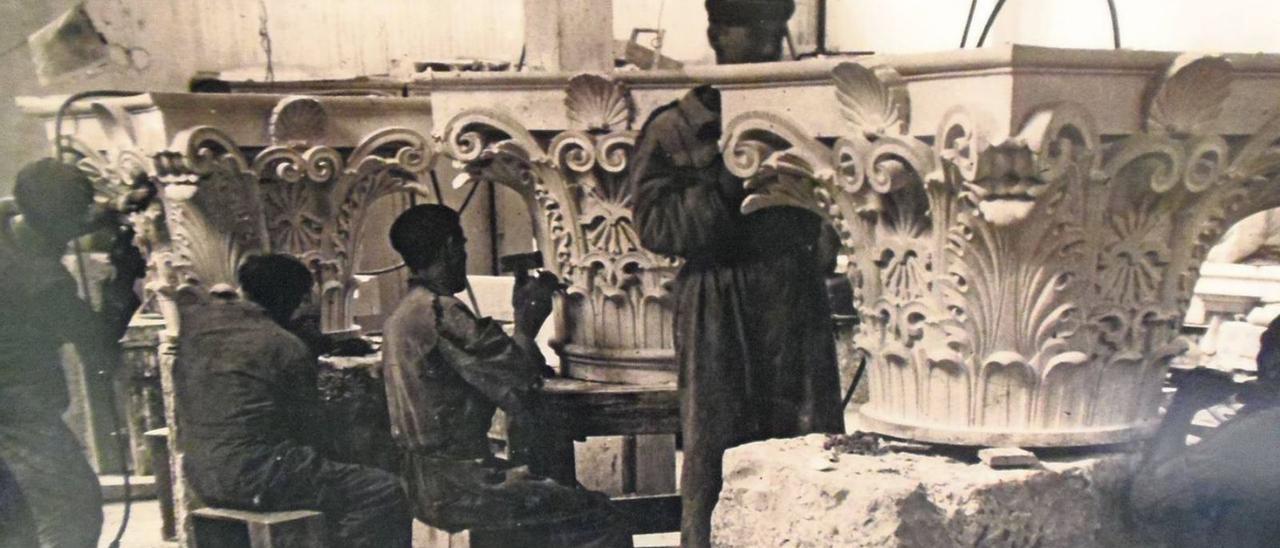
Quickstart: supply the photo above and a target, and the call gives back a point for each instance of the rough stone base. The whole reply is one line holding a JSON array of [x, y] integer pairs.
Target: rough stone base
[[788, 493]]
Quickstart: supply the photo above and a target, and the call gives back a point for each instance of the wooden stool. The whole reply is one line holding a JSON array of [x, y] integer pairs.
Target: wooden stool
[[223, 528], [426, 536]]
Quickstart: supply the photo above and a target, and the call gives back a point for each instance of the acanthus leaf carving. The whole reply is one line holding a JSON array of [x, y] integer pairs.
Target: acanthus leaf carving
[[575, 184], [491, 145]]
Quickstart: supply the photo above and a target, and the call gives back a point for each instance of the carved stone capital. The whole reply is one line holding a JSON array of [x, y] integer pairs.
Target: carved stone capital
[[1020, 288], [574, 182]]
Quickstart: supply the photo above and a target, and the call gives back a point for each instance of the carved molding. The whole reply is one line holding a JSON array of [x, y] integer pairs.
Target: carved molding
[[1022, 288]]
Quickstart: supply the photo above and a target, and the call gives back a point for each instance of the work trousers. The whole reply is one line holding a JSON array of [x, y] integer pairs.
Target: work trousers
[[364, 507], [49, 496]]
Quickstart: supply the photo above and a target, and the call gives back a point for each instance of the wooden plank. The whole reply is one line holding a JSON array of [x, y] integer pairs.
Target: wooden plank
[[600, 409], [249, 516], [224, 527], [655, 464]]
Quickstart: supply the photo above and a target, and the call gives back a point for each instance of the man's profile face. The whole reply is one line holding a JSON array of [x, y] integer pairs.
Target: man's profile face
[[756, 43], [80, 215], [455, 261]]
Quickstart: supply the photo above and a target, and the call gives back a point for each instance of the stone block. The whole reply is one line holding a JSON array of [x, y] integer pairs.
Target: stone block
[[655, 464], [771, 497], [1008, 457], [1263, 315], [426, 536], [627, 465], [601, 464], [1239, 340]]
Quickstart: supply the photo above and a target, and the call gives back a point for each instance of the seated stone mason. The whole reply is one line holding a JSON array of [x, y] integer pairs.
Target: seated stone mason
[[1224, 490], [446, 372], [248, 420]]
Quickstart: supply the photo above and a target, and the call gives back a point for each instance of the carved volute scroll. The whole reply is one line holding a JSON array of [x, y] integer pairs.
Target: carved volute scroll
[[113, 170], [315, 202], [1020, 289], [211, 208], [384, 162], [216, 207], [615, 323]]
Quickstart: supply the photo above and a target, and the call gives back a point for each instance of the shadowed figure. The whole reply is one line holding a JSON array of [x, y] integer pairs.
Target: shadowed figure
[[753, 332], [1224, 490], [249, 420], [49, 495]]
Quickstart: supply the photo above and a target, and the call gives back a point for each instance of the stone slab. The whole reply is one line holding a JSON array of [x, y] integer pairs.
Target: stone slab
[[772, 496], [1008, 457]]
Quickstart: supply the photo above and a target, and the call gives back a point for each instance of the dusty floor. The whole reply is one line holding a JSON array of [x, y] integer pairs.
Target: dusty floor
[[144, 519], [144, 528]]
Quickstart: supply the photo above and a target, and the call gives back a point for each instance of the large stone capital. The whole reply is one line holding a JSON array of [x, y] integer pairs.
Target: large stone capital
[[1021, 286], [615, 324]]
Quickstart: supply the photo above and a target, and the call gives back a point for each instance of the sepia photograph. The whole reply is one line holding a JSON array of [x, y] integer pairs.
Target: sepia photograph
[[639, 273]]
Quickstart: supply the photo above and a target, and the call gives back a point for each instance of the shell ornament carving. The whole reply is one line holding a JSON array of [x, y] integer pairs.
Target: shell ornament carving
[[1190, 95], [874, 100], [598, 104], [1024, 288], [298, 120]]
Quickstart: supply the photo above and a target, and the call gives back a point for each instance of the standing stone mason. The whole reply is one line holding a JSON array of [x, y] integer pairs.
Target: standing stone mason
[[753, 328], [49, 496]]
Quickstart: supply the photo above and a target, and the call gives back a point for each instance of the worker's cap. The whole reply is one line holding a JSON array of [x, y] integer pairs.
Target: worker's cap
[[747, 12], [50, 191]]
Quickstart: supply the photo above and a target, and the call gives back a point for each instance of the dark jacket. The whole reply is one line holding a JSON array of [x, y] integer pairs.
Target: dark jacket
[[753, 332], [447, 371], [40, 310], [248, 401], [753, 324]]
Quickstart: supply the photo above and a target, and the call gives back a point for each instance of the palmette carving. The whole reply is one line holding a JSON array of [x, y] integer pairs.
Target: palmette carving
[[1016, 289]]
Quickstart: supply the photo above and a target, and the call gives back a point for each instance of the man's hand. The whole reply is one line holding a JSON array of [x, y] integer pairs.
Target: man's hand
[[1201, 387], [531, 301], [355, 346], [141, 192]]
